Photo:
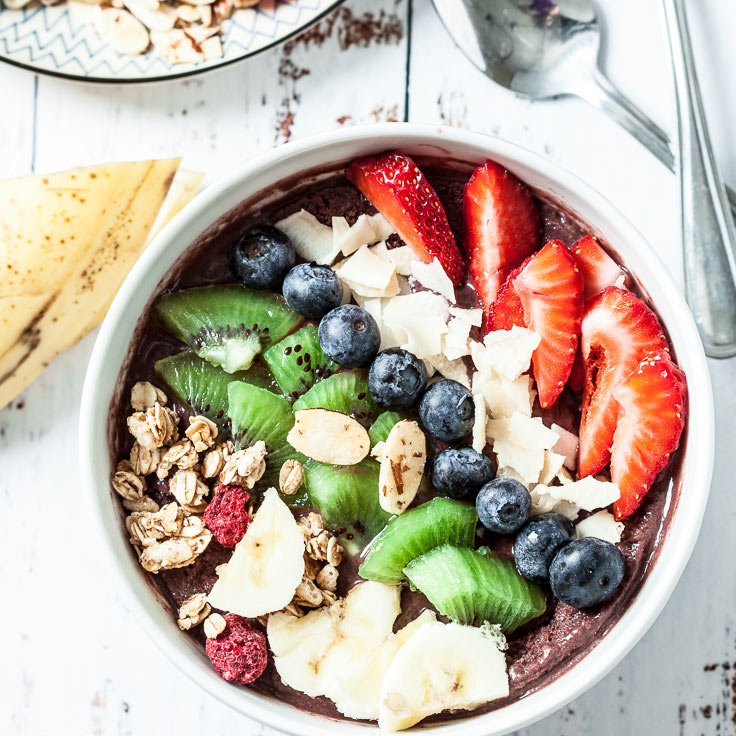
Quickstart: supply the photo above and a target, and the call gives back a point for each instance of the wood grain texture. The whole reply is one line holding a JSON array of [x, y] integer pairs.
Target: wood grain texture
[[74, 661]]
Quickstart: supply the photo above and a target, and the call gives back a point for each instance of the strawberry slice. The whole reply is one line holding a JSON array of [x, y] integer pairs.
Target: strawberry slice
[[396, 187], [502, 227], [545, 294], [651, 419], [598, 268], [618, 331]]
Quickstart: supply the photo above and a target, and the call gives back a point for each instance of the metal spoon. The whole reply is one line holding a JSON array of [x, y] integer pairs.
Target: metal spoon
[[543, 49], [708, 233]]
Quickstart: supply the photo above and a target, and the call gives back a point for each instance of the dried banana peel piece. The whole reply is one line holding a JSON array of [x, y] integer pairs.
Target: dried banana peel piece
[[67, 241]]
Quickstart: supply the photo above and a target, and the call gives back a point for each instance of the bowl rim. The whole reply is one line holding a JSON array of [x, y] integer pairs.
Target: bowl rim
[[671, 558]]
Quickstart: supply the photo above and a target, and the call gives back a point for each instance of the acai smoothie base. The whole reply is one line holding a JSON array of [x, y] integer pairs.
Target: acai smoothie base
[[539, 650]]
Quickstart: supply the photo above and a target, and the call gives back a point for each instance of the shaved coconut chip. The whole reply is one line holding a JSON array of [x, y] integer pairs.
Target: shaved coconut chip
[[506, 472], [552, 465], [543, 503], [340, 228], [479, 423], [431, 370], [601, 525], [381, 226], [524, 431], [567, 445], [473, 317], [455, 370], [423, 317], [508, 352], [120, 30], [432, 276], [455, 342], [380, 249], [366, 273], [588, 493], [505, 398], [402, 257], [329, 436], [374, 307], [312, 240], [565, 477], [356, 236], [520, 443]]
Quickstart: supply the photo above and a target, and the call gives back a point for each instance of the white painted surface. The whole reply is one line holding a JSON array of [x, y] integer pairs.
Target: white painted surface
[[73, 661]]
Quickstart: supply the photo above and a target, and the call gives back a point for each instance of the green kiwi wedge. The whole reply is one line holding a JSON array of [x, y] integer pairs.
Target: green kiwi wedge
[[415, 532], [380, 429], [203, 386], [298, 361], [473, 586], [347, 498], [344, 392], [226, 324], [259, 414]]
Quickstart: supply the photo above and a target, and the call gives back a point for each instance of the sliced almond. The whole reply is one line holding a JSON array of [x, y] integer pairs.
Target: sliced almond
[[402, 466], [329, 436], [122, 31]]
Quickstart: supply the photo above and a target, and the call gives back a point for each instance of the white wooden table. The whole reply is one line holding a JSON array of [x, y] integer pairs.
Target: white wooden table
[[73, 661]]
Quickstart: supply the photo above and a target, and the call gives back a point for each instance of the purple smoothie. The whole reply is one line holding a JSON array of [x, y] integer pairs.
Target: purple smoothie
[[539, 652]]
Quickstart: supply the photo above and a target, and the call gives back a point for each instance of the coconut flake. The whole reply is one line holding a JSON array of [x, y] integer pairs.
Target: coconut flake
[[473, 317], [455, 342], [432, 276], [423, 317], [479, 423], [312, 240], [589, 493], [567, 445], [601, 525], [455, 370]]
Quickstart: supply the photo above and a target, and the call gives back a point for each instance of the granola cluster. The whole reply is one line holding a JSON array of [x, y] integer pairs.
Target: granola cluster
[[321, 559], [175, 535]]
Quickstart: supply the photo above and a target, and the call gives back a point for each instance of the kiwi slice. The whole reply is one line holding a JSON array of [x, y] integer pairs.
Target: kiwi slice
[[258, 414], [298, 361], [439, 521], [472, 586], [203, 386], [344, 392], [347, 498], [226, 324], [380, 429]]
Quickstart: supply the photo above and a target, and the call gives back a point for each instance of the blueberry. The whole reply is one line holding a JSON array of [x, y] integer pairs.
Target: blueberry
[[447, 410], [396, 379], [503, 505], [312, 290], [586, 572], [261, 257], [538, 542], [350, 336], [459, 472]]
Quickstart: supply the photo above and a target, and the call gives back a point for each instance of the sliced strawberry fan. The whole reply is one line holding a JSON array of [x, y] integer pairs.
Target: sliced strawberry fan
[[395, 186], [502, 227], [618, 331], [652, 406], [545, 294], [598, 268]]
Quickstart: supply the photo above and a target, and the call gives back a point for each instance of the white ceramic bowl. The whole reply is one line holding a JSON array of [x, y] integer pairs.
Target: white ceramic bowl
[[334, 147]]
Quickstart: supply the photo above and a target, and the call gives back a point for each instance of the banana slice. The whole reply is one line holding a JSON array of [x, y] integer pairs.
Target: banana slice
[[356, 690], [300, 644], [342, 651], [441, 667], [266, 566]]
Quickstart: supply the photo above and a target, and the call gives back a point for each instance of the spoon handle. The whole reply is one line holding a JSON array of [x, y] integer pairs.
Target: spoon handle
[[709, 236]]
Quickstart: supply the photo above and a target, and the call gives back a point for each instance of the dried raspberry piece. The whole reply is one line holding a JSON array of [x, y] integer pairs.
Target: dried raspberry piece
[[226, 517], [239, 653]]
